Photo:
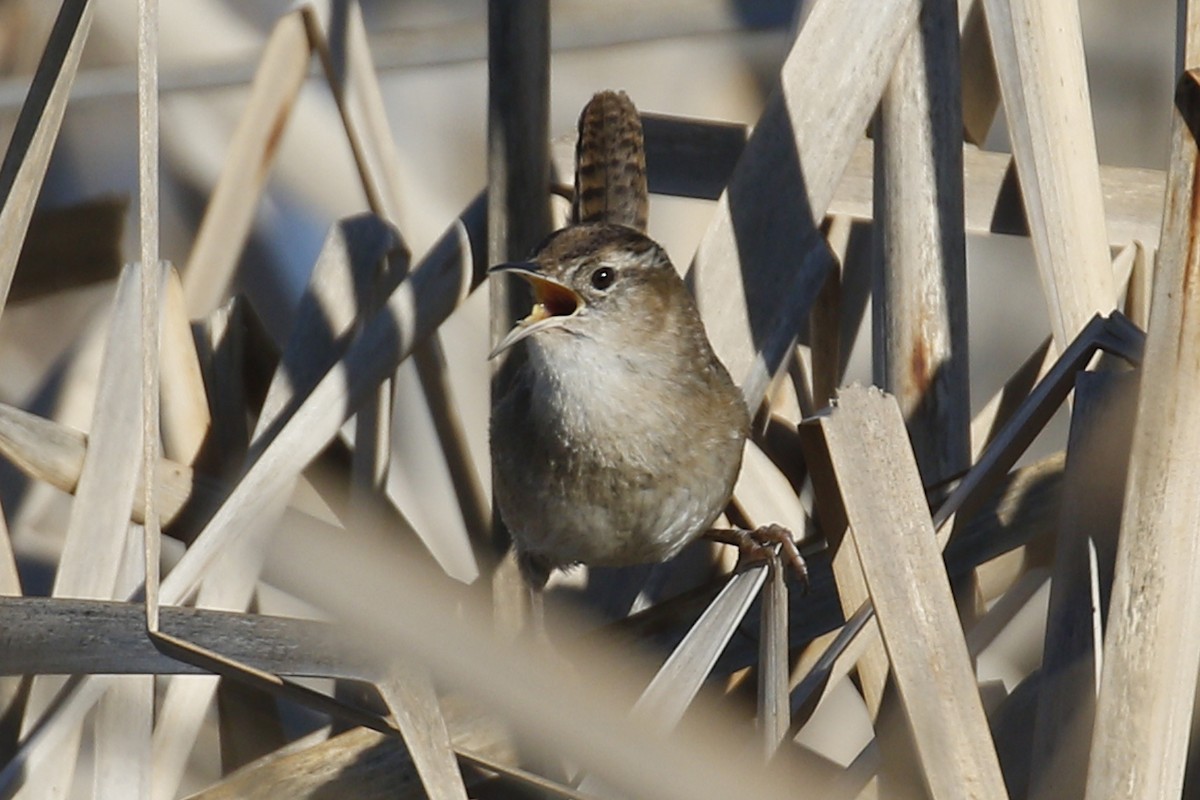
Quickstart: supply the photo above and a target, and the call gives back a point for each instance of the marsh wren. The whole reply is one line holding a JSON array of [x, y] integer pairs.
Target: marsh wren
[[620, 435]]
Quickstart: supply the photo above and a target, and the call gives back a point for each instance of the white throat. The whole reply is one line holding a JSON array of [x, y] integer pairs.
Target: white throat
[[588, 386]]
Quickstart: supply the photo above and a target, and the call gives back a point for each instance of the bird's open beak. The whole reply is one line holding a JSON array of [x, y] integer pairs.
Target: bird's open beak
[[553, 302]]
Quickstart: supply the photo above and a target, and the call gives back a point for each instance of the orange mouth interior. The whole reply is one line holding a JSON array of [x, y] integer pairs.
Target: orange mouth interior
[[552, 300]]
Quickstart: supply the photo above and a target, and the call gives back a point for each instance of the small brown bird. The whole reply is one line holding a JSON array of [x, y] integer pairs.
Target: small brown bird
[[620, 435]]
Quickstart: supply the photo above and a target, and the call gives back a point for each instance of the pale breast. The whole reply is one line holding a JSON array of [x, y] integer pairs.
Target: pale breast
[[588, 469]]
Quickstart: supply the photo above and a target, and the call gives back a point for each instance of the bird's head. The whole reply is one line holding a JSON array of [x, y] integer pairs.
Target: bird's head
[[601, 281]]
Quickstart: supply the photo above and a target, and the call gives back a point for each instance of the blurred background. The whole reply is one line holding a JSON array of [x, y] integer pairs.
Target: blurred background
[[698, 58], [695, 58]]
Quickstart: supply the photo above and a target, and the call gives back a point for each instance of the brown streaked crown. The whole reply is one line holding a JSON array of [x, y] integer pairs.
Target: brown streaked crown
[[644, 304], [592, 242], [573, 254]]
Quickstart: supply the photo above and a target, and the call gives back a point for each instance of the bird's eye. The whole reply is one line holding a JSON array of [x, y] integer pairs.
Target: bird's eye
[[603, 277]]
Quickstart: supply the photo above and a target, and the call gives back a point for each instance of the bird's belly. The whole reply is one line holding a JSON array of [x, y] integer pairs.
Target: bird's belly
[[605, 514], [604, 536], [587, 471]]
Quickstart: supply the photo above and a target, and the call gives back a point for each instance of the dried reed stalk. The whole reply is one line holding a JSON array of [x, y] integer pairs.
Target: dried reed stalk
[[1152, 645]]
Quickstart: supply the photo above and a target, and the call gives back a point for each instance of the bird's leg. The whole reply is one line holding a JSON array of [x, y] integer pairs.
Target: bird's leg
[[536, 574], [753, 545]]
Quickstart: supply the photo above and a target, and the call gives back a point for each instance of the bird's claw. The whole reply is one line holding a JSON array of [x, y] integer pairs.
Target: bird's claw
[[754, 546]]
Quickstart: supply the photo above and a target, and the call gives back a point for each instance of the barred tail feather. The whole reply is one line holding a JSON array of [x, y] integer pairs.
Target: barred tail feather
[[610, 164]]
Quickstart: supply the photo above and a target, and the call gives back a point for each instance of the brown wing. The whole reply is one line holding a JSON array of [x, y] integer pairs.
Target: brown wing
[[610, 163]]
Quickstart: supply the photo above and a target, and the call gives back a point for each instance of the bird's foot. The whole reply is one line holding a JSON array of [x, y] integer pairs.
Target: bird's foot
[[754, 546]]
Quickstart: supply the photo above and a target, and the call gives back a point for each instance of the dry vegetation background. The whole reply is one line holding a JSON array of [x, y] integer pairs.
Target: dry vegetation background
[[320, 457]]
